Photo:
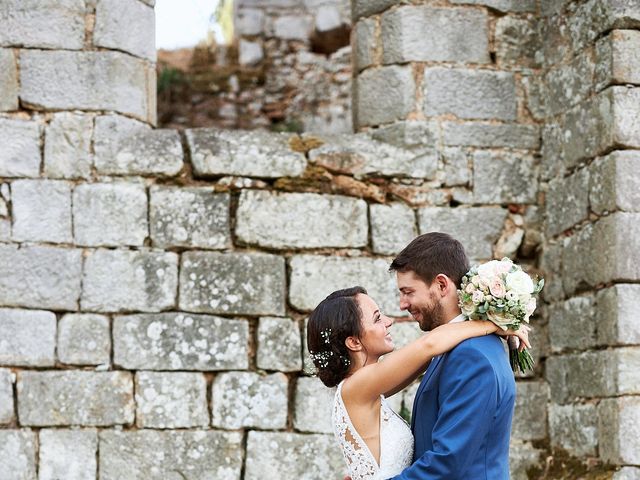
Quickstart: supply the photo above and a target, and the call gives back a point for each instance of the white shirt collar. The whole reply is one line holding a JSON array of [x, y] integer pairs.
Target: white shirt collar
[[458, 319]]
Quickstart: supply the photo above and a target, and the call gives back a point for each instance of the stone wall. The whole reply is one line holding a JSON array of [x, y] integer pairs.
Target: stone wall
[[155, 283]]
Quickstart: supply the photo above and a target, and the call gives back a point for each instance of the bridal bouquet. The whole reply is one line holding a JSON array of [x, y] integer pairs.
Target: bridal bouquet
[[499, 291]]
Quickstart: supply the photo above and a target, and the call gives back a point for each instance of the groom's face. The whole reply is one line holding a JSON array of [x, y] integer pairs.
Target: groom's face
[[420, 300]]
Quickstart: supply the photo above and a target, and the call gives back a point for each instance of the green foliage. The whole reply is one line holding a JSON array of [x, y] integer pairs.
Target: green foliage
[[168, 78]]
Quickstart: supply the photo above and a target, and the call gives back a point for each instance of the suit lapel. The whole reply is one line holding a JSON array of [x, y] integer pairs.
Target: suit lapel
[[427, 377]]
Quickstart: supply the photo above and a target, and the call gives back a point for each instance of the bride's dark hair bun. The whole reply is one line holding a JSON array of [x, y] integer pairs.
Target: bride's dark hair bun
[[333, 320]]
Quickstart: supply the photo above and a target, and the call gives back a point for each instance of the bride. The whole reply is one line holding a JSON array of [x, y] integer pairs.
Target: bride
[[346, 335]]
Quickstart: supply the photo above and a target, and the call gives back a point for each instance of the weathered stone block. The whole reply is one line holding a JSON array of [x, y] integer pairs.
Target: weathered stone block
[[75, 398], [393, 226], [158, 455], [235, 283], [518, 42], [123, 280], [421, 33], [472, 94], [504, 178], [457, 163], [247, 399], [6, 397], [504, 5], [67, 146], [249, 21], [252, 154], [618, 420], [616, 248], [68, 454], [574, 428], [478, 228], [189, 217], [489, 135], [614, 183], [568, 84], [627, 473], [127, 25], [530, 417], [567, 318], [391, 153], [8, 80], [292, 455], [404, 333], [113, 134], [20, 153], [250, 53], [27, 338], [523, 456], [293, 27], [110, 214], [567, 202], [314, 277], [617, 59], [616, 315], [177, 341], [365, 43], [44, 24], [301, 220], [97, 80], [313, 406], [327, 18], [383, 95], [279, 345], [17, 455], [40, 277], [84, 339], [41, 211], [171, 400], [575, 272]]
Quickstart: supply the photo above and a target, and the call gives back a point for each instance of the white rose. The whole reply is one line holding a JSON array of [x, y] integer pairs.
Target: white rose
[[519, 282], [477, 296], [488, 270]]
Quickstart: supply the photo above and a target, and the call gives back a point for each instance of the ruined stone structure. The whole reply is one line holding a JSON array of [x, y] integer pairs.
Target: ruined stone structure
[[154, 284]]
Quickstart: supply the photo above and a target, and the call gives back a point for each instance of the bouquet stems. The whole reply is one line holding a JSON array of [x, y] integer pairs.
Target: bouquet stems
[[522, 361]]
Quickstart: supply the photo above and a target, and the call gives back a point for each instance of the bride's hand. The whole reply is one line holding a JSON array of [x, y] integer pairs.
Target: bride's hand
[[521, 334]]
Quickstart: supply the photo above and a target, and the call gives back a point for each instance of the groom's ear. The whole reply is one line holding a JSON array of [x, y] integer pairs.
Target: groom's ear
[[353, 344], [443, 284]]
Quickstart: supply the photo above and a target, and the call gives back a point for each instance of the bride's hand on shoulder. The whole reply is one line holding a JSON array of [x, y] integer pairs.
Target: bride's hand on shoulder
[[521, 334]]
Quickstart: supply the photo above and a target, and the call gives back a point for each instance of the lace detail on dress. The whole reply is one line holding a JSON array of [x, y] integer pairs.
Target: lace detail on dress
[[396, 443]]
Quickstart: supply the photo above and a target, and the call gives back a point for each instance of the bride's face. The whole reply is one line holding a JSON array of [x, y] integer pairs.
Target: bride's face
[[376, 336]]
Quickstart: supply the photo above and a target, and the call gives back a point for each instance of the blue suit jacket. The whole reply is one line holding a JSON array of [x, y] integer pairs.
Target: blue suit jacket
[[462, 415]]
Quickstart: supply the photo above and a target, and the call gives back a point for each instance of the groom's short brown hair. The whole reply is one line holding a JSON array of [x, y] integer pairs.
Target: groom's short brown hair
[[430, 254]]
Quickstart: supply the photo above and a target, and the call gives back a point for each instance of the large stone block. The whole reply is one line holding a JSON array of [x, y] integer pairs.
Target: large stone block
[[96, 80], [616, 315], [614, 183], [6, 397], [365, 43], [126, 280], [530, 417], [43, 23], [189, 217], [115, 134], [314, 277], [616, 248], [27, 338], [422, 34], [393, 226], [576, 274], [68, 454], [171, 400], [127, 25], [17, 455], [75, 397], [247, 399], [250, 53], [627, 473], [291, 455], [567, 318], [471, 94], [478, 228], [568, 84], [618, 420], [523, 456], [567, 202], [504, 178], [313, 406], [177, 341], [279, 345], [383, 95], [293, 27], [110, 214], [235, 283], [40, 277], [403, 149], [505, 6], [67, 146], [20, 153], [457, 166], [164, 455], [617, 59], [41, 211], [574, 428], [217, 152], [84, 339], [476, 134], [249, 21], [518, 42], [301, 220], [8, 80]]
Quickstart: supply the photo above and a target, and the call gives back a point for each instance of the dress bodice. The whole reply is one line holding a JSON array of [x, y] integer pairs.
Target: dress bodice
[[396, 442]]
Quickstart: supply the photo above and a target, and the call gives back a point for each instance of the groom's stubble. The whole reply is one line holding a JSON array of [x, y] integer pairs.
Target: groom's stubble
[[432, 314]]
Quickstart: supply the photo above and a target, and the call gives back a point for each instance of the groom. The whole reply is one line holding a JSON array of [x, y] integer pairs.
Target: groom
[[462, 411]]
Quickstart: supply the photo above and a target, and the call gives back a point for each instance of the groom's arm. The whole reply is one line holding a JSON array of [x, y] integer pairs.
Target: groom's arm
[[468, 397]]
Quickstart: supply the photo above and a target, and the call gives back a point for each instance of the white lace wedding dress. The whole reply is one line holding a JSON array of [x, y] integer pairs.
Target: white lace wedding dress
[[396, 442]]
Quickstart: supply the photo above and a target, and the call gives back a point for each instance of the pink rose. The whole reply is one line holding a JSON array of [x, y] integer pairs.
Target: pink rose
[[477, 296], [497, 289]]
